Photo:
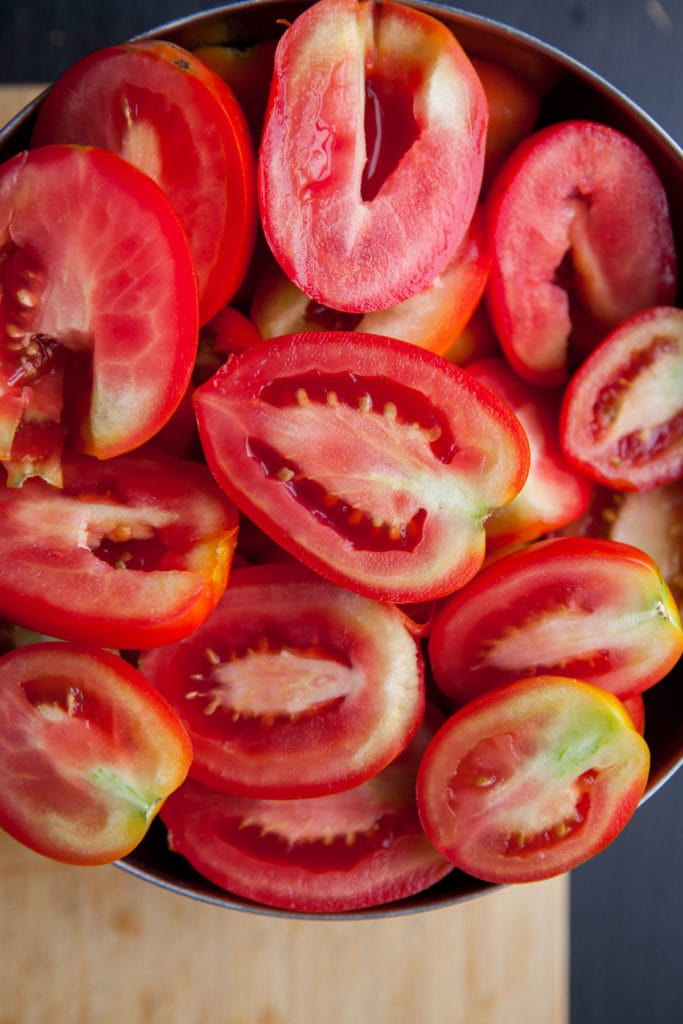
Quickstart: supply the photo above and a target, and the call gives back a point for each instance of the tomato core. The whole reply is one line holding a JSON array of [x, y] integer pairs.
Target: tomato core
[[390, 130]]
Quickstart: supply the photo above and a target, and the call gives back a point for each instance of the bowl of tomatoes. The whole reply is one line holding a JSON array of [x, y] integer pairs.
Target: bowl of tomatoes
[[342, 361]]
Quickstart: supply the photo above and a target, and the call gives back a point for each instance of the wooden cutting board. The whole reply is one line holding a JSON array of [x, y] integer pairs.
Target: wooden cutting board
[[97, 946]]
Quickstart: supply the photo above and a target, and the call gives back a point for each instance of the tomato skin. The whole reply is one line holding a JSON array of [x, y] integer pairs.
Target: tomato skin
[[373, 461], [578, 191], [89, 751], [292, 687], [107, 369], [348, 242], [513, 110], [299, 855], [554, 493], [622, 412], [531, 780], [65, 555], [595, 609], [168, 113]]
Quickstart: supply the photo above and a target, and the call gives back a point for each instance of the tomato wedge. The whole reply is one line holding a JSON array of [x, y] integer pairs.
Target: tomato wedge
[[530, 781], [373, 461], [88, 752], [622, 413], [131, 552], [594, 609], [287, 667], [343, 851], [372, 152], [98, 307], [164, 110], [581, 239]]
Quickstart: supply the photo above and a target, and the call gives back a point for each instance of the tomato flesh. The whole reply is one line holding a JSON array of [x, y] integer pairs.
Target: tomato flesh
[[531, 780], [88, 752]]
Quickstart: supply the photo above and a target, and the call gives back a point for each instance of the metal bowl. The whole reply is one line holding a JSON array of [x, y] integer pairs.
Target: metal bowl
[[568, 89]]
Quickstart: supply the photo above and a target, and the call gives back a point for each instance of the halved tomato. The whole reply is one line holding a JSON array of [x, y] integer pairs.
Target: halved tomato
[[554, 493], [343, 851], [580, 238], [98, 308], [432, 319], [592, 609], [293, 687], [373, 461], [513, 107], [372, 152], [131, 552], [622, 412], [164, 110], [529, 781], [88, 752]]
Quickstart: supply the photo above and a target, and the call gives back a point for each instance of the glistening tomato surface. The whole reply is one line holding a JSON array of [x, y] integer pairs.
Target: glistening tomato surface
[[131, 552], [622, 413], [529, 781], [165, 111], [580, 238], [372, 152], [373, 461], [594, 609], [293, 687], [98, 308], [344, 851], [88, 752]]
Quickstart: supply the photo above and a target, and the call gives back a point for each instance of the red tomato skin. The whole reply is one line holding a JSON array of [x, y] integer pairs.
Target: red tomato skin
[[644, 352], [253, 731], [582, 189], [359, 451], [514, 618], [89, 750], [158, 106], [139, 357], [296, 855], [343, 247], [555, 493], [63, 563], [528, 781]]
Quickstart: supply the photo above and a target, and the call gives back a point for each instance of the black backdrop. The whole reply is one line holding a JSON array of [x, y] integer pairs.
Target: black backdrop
[[626, 904]]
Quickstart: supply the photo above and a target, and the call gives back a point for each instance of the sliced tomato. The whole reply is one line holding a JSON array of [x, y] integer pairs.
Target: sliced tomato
[[594, 609], [131, 552], [343, 851], [164, 110], [368, 176], [373, 461], [622, 413], [293, 687], [554, 493], [581, 239], [247, 69], [98, 307], [530, 781], [431, 319], [88, 752], [635, 706]]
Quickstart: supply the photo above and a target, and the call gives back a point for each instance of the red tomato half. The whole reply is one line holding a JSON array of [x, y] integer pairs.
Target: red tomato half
[[580, 239], [622, 414], [554, 493], [98, 305], [131, 552], [372, 152], [373, 461], [344, 851], [594, 609], [432, 319], [529, 781], [293, 687], [88, 752], [165, 111]]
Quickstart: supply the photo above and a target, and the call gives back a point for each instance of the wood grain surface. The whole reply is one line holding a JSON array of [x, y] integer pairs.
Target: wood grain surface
[[96, 945]]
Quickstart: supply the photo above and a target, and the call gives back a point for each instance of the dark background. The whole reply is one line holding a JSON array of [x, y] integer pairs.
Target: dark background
[[626, 904]]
